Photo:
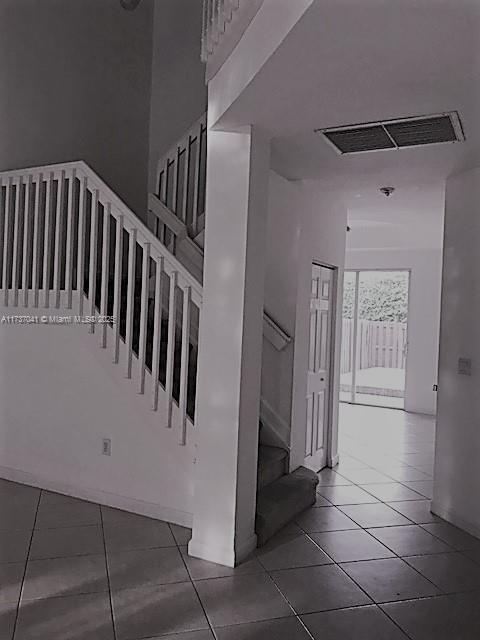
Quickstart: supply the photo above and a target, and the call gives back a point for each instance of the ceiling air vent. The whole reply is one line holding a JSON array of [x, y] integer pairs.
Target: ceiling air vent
[[395, 134]]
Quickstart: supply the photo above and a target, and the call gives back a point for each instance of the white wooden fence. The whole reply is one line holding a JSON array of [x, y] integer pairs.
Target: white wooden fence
[[380, 344]]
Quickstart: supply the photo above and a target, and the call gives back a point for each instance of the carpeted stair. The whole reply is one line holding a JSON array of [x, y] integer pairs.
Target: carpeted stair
[[281, 496]]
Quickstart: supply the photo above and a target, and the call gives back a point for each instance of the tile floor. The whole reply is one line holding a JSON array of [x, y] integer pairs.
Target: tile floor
[[368, 561]]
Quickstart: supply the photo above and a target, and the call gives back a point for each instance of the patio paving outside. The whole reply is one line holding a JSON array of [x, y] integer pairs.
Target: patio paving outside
[[375, 385]]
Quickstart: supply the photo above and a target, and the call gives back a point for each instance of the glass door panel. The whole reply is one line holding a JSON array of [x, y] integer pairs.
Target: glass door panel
[[376, 304], [348, 325]]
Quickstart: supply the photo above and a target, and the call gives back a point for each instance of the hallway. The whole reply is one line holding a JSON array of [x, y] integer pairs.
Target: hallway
[[369, 560]]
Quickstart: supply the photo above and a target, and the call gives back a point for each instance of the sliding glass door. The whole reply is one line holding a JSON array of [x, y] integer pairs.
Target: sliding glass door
[[374, 338]]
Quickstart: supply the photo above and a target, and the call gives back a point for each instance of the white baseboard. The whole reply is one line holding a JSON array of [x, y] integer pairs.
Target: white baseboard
[[229, 557], [458, 521], [333, 461], [126, 503]]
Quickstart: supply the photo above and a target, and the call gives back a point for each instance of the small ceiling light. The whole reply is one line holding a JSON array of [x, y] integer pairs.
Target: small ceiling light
[[387, 191]]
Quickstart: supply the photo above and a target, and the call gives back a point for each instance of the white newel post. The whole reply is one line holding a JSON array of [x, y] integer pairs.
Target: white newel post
[[230, 346]]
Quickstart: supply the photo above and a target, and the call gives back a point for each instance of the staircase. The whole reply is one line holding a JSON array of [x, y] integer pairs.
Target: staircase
[[177, 218], [69, 244]]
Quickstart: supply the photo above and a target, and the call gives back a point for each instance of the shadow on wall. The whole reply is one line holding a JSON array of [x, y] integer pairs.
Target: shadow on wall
[[71, 89]]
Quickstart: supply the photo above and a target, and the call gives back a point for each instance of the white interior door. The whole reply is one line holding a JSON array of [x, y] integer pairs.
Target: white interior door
[[319, 362]]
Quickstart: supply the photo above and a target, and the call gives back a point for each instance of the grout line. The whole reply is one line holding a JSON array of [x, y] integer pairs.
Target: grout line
[[269, 573], [110, 598], [26, 565], [375, 604], [295, 613], [192, 582]]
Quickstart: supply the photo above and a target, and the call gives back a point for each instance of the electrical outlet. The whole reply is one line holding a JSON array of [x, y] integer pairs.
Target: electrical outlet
[[106, 447]]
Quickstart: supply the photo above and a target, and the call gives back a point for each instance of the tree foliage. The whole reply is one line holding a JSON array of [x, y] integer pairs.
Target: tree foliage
[[382, 298]]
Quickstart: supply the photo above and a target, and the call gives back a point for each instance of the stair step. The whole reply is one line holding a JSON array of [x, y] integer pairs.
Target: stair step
[[272, 464], [281, 501]]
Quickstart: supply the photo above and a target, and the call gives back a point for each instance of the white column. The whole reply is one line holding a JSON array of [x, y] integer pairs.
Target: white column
[[230, 346]]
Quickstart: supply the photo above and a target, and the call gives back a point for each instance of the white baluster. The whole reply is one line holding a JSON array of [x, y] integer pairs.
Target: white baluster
[[16, 240], [92, 274], [164, 184], [176, 171], [105, 272], [182, 404], [36, 240], [117, 287], [196, 180], [204, 31], [186, 180], [142, 343], [157, 331], [26, 238], [57, 265], [172, 313], [132, 247], [82, 214], [47, 237], [6, 241], [69, 241]]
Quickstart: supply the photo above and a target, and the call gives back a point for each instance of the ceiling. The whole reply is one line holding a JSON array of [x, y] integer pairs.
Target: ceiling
[[412, 217], [354, 61]]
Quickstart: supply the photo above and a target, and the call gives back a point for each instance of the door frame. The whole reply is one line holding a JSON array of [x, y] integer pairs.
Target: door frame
[[355, 320], [332, 368]]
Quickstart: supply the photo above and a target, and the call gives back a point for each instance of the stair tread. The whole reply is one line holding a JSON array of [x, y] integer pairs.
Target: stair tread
[[267, 453]]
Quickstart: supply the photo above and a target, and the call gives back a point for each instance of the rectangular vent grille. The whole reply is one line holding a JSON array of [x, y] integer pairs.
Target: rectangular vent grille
[[360, 139], [395, 134]]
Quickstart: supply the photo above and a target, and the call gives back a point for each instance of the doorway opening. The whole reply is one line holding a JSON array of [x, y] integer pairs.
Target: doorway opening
[[374, 337]]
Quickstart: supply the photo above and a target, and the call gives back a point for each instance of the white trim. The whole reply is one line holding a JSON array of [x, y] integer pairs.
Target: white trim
[[458, 521], [126, 503], [229, 557], [332, 462]]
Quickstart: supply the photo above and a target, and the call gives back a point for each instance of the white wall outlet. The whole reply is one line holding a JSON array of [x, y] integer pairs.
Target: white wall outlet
[[106, 447], [464, 367]]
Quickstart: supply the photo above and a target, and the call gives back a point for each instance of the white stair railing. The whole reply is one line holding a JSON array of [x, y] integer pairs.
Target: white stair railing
[[221, 16], [177, 210], [181, 180], [67, 240]]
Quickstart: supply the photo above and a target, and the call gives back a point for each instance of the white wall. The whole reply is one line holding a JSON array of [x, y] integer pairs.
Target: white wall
[[179, 94], [281, 278], [75, 85], [269, 27], [423, 315], [323, 236], [457, 472], [60, 395], [305, 223]]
